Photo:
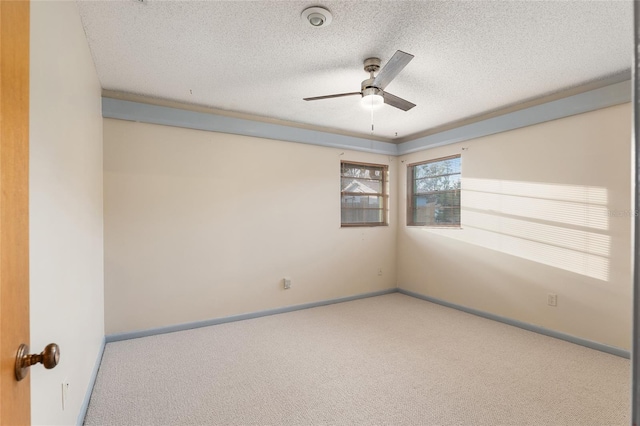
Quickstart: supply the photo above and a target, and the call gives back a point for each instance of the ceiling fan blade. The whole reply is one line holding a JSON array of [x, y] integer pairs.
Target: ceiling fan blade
[[332, 96], [397, 102], [392, 68]]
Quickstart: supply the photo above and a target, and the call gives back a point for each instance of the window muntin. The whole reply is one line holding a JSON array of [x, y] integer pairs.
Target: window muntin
[[363, 194], [434, 192]]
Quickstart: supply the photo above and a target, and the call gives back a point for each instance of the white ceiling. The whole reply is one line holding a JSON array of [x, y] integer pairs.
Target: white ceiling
[[260, 58]]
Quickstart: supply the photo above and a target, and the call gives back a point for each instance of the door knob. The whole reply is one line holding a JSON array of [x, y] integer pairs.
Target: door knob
[[49, 358]]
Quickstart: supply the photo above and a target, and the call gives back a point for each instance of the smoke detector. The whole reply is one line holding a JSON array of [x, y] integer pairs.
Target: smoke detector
[[317, 16]]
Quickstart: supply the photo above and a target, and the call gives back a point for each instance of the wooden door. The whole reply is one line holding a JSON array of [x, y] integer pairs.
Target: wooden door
[[14, 207]]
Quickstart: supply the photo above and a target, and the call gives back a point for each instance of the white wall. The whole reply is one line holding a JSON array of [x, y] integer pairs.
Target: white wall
[[201, 225], [66, 209], [545, 209]]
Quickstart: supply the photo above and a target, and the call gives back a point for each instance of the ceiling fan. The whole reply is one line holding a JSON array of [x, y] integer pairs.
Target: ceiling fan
[[372, 89]]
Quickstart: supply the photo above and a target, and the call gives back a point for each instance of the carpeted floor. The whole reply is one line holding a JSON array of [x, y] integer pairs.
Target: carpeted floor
[[391, 360]]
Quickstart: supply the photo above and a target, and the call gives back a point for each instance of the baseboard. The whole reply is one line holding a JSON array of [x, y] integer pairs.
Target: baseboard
[[526, 326], [92, 381], [197, 324]]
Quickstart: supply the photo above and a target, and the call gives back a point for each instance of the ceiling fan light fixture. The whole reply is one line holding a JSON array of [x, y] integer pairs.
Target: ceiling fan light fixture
[[371, 98], [317, 16]]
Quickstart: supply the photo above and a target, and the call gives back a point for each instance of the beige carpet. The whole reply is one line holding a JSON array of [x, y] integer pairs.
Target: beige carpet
[[387, 360]]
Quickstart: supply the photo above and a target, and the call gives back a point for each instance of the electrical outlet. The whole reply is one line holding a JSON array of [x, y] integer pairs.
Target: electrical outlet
[[287, 283], [380, 272], [65, 393], [552, 299]]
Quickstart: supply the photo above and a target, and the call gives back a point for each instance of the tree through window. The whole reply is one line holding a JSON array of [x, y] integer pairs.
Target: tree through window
[[434, 193]]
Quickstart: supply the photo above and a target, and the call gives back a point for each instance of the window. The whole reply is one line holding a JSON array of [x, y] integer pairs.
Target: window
[[363, 194], [434, 193]]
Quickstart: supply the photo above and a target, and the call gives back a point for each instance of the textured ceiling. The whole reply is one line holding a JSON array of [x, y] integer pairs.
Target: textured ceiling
[[260, 58]]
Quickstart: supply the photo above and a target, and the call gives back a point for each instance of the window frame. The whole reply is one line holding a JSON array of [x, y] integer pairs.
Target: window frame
[[384, 195], [410, 193]]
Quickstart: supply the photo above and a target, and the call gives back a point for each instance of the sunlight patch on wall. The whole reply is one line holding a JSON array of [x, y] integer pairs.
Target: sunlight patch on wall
[[548, 191], [558, 236], [582, 206], [563, 226], [573, 250]]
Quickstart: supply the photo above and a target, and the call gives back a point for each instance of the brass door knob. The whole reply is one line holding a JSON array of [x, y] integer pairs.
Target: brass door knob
[[49, 358]]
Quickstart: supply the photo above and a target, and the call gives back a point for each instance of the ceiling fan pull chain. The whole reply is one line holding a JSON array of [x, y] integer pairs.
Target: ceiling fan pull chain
[[372, 116]]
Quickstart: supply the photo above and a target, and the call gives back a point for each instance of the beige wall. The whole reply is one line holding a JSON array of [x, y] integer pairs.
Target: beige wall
[[200, 225], [65, 209], [545, 209]]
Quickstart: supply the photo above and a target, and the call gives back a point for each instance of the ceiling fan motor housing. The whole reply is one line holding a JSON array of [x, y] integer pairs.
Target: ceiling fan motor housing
[[367, 88]]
